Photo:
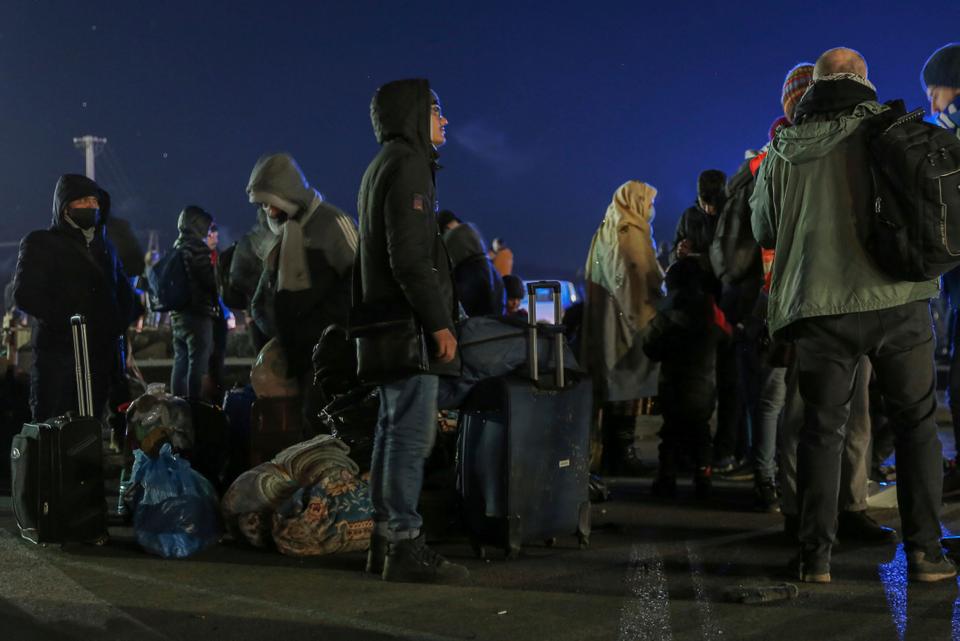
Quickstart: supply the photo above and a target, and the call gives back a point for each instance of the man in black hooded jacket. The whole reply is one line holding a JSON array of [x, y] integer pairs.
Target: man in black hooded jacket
[[404, 270], [72, 268], [193, 325]]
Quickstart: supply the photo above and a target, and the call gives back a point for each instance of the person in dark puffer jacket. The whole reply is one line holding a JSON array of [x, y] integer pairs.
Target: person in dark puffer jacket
[[72, 268], [193, 326]]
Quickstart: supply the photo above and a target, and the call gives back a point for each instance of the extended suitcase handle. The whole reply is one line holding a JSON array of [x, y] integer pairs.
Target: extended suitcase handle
[[81, 359], [532, 351]]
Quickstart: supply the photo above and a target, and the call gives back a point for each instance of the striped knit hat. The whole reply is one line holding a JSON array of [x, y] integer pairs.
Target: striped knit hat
[[794, 85]]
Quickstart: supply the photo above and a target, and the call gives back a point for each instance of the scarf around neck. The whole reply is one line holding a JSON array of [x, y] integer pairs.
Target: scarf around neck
[[293, 273]]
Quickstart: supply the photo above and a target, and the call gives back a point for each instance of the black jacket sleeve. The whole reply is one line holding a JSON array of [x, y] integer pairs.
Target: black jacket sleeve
[[35, 281], [656, 338], [411, 234]]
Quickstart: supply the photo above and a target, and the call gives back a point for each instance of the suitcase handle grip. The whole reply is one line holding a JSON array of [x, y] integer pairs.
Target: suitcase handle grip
[[532, 351], [81, 359]]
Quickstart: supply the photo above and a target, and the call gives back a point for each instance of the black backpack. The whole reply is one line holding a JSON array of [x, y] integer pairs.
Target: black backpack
[[914, 227], [734, 252], [169, 282]]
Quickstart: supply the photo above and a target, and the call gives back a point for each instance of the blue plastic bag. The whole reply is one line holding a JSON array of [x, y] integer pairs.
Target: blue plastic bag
[[176, 510]]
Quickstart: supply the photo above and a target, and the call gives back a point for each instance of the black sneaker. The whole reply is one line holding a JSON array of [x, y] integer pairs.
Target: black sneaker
[[924, 569], [377, 554], [411, 561], [858, 527], [724, 465], [766, 496]]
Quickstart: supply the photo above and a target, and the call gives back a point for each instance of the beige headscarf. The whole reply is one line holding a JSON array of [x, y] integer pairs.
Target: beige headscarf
[[623, 256], [623, 276]]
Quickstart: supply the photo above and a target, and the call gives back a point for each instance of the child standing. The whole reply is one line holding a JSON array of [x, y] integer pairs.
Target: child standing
[[684, 336]]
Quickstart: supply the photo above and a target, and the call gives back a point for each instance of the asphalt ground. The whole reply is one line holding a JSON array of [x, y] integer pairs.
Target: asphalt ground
[[655, 570]]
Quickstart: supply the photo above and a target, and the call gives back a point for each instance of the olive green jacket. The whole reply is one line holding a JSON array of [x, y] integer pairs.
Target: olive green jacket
[[810, 204]]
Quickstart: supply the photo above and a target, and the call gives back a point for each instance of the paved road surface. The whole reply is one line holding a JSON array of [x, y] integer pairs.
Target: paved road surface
[[655, 571]]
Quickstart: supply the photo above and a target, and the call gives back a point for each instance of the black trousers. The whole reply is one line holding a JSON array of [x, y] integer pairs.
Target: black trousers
[[686, 428], [899, 343]]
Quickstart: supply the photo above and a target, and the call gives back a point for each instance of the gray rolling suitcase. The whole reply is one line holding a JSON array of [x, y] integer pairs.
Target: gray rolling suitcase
[[57, 467], [523, 454]]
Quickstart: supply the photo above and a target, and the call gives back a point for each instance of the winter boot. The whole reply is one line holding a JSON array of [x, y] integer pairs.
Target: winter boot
[[411, 561]]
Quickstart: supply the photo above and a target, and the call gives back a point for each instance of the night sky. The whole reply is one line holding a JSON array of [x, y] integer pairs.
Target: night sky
[[551, 105]]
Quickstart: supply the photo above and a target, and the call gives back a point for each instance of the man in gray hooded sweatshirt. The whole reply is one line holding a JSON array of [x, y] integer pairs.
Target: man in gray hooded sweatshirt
[[305, 285]]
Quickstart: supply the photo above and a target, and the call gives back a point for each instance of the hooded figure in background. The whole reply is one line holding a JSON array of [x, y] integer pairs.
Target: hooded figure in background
[[245, 270], [193, 326], [305, 284], [72, 268], [479, 285], [624, 282]]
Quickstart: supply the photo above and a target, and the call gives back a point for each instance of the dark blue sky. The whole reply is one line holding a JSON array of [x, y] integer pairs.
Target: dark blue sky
[[551, 105]]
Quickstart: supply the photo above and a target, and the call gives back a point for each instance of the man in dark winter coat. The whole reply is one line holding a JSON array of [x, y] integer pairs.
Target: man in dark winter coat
[[72, 268], [404, 274], [479, 286], [305, 283], [193, 326]]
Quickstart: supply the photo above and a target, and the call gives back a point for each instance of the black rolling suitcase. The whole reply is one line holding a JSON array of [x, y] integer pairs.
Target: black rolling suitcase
[[523, 454], [57, 467]]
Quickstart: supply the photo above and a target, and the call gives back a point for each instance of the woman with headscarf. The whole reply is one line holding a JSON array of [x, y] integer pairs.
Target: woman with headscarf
[[624, 282]]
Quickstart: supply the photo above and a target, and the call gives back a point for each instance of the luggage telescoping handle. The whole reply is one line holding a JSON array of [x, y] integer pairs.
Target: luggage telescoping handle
[[532, 351], [81, 358]]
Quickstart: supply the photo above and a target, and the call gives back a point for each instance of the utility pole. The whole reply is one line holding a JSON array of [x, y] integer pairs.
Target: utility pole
[[90, 145]]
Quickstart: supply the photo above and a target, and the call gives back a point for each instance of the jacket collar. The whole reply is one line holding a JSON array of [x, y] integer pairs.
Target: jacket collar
[[833, 96]]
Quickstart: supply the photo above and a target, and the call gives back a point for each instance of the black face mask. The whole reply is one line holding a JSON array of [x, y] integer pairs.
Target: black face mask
[[84, 217]]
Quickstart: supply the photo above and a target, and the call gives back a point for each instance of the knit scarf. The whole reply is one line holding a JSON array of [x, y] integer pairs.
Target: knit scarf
[[293, 272]]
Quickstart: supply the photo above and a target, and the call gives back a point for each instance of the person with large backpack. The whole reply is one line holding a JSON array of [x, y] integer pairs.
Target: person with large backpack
[[830, 295], [193, 321]]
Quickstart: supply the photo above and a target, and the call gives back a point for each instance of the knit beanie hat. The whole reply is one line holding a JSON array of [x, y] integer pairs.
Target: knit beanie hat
[[943, 67], [794, 86], [781, 121]]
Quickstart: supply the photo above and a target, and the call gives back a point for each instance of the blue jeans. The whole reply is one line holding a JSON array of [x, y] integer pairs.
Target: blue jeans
[[192, 347], [406, 430], [773, 394]]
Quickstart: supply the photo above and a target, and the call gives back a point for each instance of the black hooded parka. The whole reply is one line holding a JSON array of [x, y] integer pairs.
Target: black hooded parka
[[403, 263], [60, 274]]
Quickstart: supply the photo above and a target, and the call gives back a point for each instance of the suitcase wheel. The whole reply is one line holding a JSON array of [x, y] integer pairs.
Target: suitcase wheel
[[550, 542]]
